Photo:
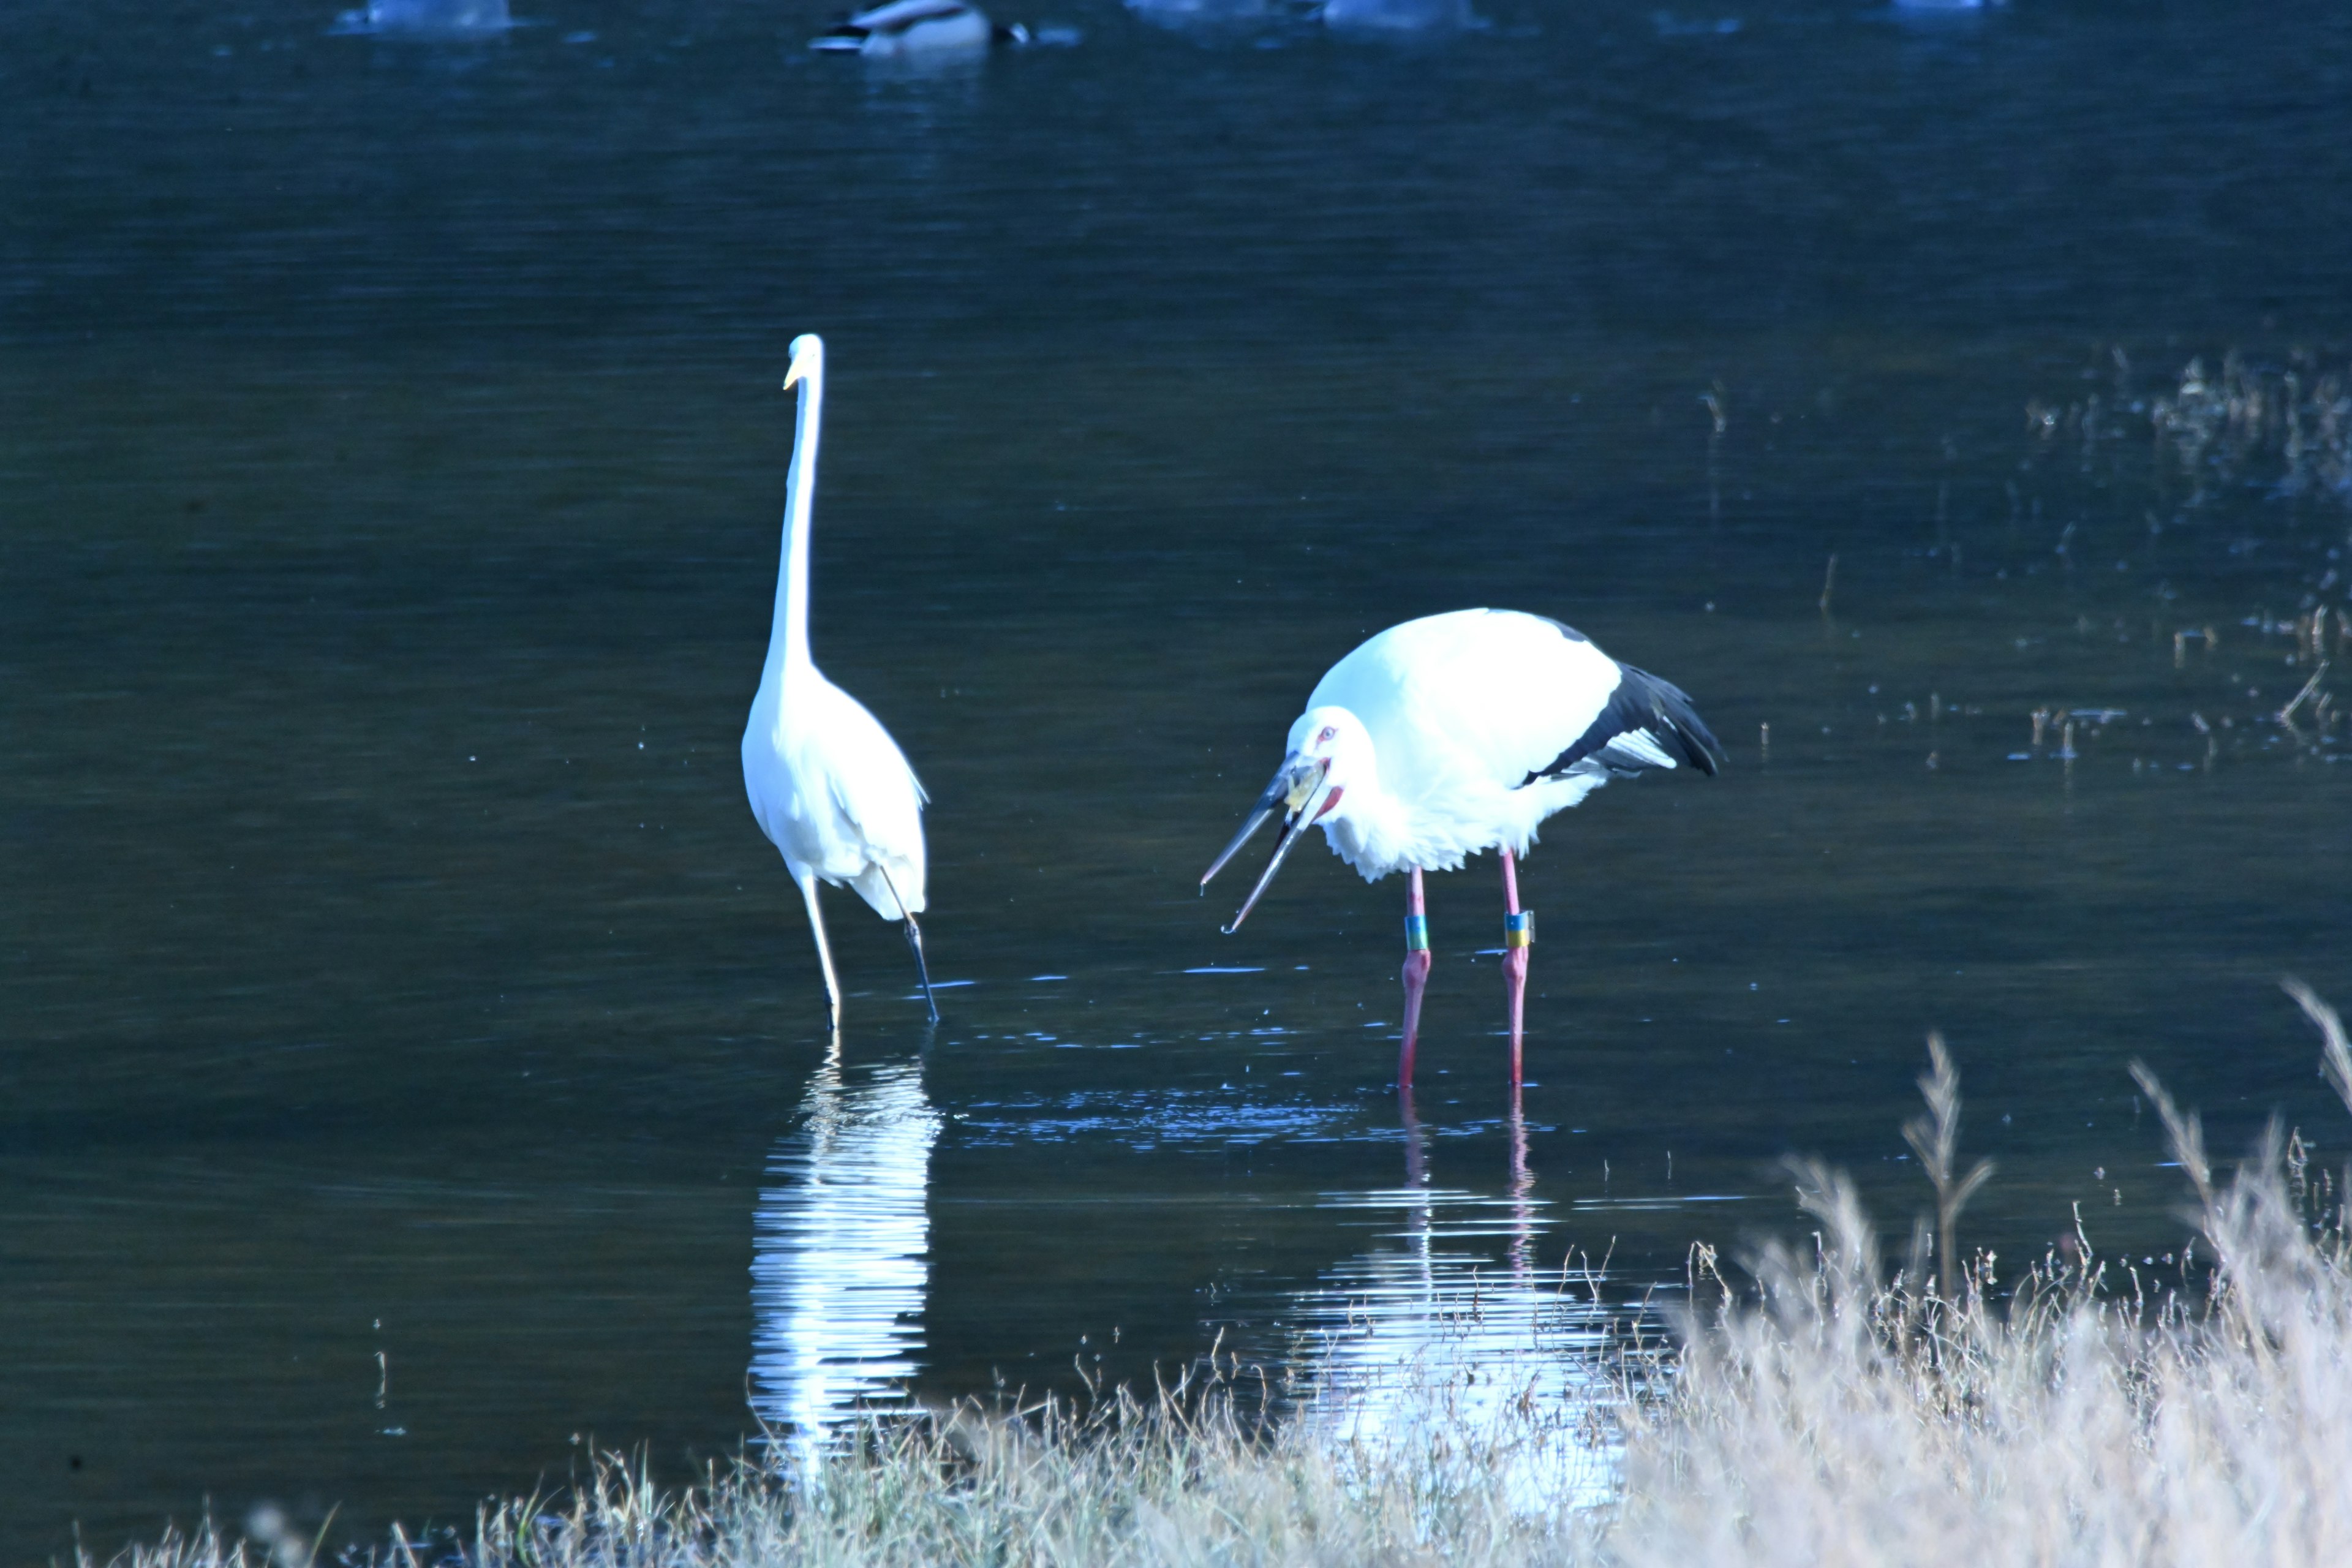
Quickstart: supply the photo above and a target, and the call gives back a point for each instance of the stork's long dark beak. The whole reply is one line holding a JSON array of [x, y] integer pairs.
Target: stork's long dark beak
[[1294, 788]]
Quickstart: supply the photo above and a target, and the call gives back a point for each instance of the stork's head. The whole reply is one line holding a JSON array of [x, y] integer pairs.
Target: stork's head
[[1329, 749], [1335, 737]]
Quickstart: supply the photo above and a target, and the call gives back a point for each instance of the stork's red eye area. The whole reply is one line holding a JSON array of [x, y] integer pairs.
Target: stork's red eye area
[[1325, 736]]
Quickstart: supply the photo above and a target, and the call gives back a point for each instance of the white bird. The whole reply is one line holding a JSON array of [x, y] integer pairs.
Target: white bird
[[1454, 733], [831, 789], [904, 27]]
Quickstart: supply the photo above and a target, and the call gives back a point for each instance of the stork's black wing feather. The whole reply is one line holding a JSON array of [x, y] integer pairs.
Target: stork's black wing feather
[[1659, 712]]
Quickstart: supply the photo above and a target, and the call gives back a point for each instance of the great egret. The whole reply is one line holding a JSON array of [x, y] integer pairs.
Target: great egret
[[831, 789], [1454, 733]]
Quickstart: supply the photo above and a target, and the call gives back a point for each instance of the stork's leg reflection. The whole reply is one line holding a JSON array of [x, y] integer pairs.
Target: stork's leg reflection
[[1416, 1154], [1420, 1216], [1523, 1186]]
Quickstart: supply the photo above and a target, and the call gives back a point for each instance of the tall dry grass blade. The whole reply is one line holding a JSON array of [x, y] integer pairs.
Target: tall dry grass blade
[[1848, 1264], [2335, 1052], [1936, 1138], [2185, 1129]]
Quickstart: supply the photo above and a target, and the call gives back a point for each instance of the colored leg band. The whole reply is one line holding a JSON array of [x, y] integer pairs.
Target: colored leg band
[[1519, 930], [1416, 933]]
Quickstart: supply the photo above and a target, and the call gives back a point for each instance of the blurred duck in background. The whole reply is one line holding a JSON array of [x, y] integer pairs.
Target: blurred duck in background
[[429, 17], [1396, 15], [917, 30]]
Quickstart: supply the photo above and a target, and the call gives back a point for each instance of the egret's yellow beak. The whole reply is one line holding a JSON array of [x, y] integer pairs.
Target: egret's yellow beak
[[806, 348]]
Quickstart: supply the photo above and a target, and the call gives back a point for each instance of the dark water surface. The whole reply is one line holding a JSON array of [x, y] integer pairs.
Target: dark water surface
[[410, 1060]]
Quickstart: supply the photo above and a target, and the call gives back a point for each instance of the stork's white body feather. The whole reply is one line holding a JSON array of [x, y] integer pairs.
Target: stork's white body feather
[[1464, 712], [829, 786]]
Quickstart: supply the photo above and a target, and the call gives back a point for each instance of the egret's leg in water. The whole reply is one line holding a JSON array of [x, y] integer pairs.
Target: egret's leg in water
[[807, 880], [1416, 973], [1518, 935], [913, 940]]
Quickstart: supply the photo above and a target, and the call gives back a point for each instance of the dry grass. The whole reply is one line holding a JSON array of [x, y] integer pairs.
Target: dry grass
[[1827, 1418], [2095, 1420], [2292, 426], [2284, 428]]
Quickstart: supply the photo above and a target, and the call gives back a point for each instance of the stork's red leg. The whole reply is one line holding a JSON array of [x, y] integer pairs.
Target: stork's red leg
[[1416, 973], [1518, 935]]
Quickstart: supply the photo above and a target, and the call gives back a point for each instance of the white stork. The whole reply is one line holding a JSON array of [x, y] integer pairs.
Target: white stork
[[1454, 733], [830, 787]]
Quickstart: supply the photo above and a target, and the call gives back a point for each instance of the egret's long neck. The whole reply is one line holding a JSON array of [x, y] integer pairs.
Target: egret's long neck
[[788, 645]]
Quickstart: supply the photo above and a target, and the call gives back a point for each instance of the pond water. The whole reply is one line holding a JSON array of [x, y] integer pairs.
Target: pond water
[[413, 1070]]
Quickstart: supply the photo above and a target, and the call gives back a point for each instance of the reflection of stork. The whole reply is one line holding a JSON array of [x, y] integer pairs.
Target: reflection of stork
[[840, 1252], [1523, 1186], [1408, 1334]]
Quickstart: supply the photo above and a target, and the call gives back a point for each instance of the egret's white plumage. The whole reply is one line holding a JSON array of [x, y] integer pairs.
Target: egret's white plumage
[[1461, 733], [828, 784]]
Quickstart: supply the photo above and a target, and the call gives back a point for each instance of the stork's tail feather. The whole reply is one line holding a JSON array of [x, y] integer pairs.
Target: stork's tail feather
[[1675, 724], [1646, 724]]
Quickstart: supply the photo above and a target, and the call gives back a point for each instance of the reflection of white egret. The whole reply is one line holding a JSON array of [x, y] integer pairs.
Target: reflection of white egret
[[829, 786], [840, 1262], [1452, 734], [1411, 1336]]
